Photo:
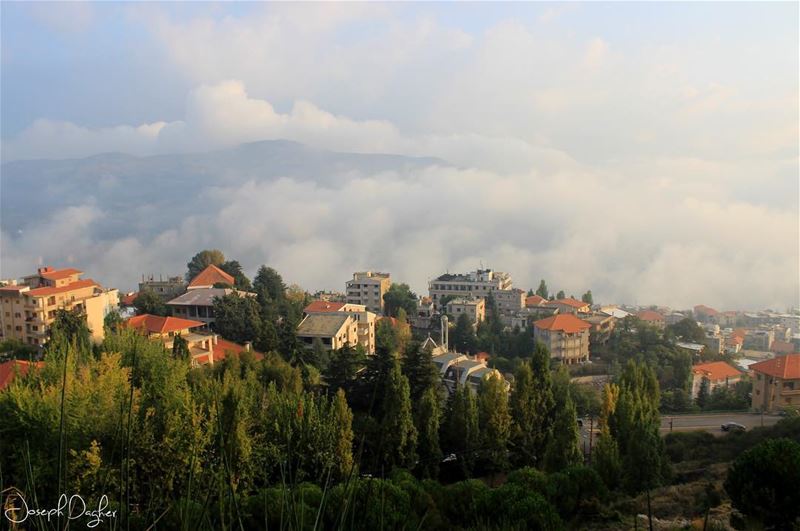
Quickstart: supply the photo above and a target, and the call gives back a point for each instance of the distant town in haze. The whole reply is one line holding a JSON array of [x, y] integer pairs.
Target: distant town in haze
[[399, 266]]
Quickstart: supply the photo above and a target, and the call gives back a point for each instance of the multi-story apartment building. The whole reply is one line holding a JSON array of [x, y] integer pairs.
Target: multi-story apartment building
[[166, 289], [333, 330], [365, 320], [759, 339], [27, 309], [776, 383], [474, 284], [475, 308], [368, 288], [509, 301], [566, 336]]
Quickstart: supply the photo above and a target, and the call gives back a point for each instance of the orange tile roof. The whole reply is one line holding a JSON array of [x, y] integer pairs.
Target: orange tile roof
[[155, 324], [47, 291], [564, 322], [650, 315], [700, 308], [569, 301], [128, 299], [10, 369], [210, 276], [323, 306], [716, 370], [222, 349], [58, 274], [785, 367], [534, 300], [13, 288]]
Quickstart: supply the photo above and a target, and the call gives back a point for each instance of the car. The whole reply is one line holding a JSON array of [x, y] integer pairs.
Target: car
[[449, 458], [733, 426]]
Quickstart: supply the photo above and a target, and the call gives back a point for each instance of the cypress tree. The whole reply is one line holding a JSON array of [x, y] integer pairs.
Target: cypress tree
[[427, 422], [563, 449], [343, 424], [495, 423], [398, 447]]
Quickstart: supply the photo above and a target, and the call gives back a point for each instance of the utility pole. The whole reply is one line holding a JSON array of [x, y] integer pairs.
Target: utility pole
[[591, 434]]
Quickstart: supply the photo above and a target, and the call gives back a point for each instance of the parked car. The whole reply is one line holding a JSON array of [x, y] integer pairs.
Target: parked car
[[733, 426]]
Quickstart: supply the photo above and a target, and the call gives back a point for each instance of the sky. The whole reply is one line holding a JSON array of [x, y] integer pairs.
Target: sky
[[646, 151]]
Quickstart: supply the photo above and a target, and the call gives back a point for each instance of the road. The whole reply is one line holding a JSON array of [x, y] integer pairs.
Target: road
[[710, 422]]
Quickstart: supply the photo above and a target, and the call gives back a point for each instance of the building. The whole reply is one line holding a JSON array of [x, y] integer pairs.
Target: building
[[368, 288], [166, 289], [210, 277], [471, 285], [366, 320], [569, 305], [28, 309], [718, 373], [673, 318], [13, 368], [759, 339], [726, 319], [475, 308], [652, 318], [602, 326], [333, 330], [534, 300], [566, 336], [198, 303], [204, 348], [509, 301], [776, 383], [615, 312], [705, 314], [445, 360], [330, 296]]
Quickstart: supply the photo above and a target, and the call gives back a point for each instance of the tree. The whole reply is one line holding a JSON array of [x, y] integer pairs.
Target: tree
[[530, 292], [688, 330], [343, 424], [605, 458], [542, 290], [531, 404], [234, 269], [427, 417], [460, 433], [560, 295], [702, 393], [399, 434], [268, 284], [422, 373], [463, 338], [762, 483], [495, 423], [237, 318], [70, 327], [587, 297], [112, 321], [563, 447], [343, 366], [180, 348], [202, 260], [399, 296], [147, 302]]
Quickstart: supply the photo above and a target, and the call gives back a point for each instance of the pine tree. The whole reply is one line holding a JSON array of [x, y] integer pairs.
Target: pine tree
[[605, 459], [531, 404], [459, 430], [422, 374], [495, 423], [398, 447], [343, 424], [587, 297], [560, 295], [427, 423], [563, 449], [463, 338], [542, 290]]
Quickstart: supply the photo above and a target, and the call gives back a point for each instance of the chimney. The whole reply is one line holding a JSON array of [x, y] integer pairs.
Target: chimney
[[248, 346]]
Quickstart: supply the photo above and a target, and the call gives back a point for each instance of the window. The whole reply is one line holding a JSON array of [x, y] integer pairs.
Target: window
[[17, 315]]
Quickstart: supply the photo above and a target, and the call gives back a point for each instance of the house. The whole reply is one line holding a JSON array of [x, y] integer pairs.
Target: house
[[569, 305], [534, 300], [509, 301], [759, 339], [368, 288], [475, 308], [166, 289], [475, 284], [366, 320], [13, 368], [652, 318], [333, 330], [673, 318], [566, 336], [198, 303], [210, 277], [28, 308], [782, 347], [726, 319], [776, 383], [718, 373], [445, 360], [705, 314], [615, 312], [602, 326]]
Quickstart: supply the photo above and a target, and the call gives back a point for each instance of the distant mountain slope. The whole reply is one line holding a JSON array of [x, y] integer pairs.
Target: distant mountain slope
[[148, 194]]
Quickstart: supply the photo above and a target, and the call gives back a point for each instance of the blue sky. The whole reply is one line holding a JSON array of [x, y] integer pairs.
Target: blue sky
[[688, 110]]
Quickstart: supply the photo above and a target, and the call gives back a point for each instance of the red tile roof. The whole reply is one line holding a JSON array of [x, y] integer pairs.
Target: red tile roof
[[224, 348], [13, 288], [716, 370], [128, 299], [10, 369], [534, 300], [650, 315], [785, 367], [210, 276], [58, 274], [323, 307], [782, 347], [700, 308], [155, 324], [78, 284], [569, 301], [564, 322]]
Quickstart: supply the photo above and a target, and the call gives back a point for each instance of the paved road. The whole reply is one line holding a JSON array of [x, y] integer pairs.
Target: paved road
[[711, 422]]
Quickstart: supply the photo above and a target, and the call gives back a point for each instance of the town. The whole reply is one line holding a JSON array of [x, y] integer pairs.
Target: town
[[473, 379]]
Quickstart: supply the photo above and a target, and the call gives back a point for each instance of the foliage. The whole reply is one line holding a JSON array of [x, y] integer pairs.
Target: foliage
[[494, 420], [399, 435], [533, 410], [762, 483], [463, 336], [237, 318], [460, 433], [542, 290], [147, 302], [587, 297], [560, 295], [688, 330], [234, 269], [399, 296]]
